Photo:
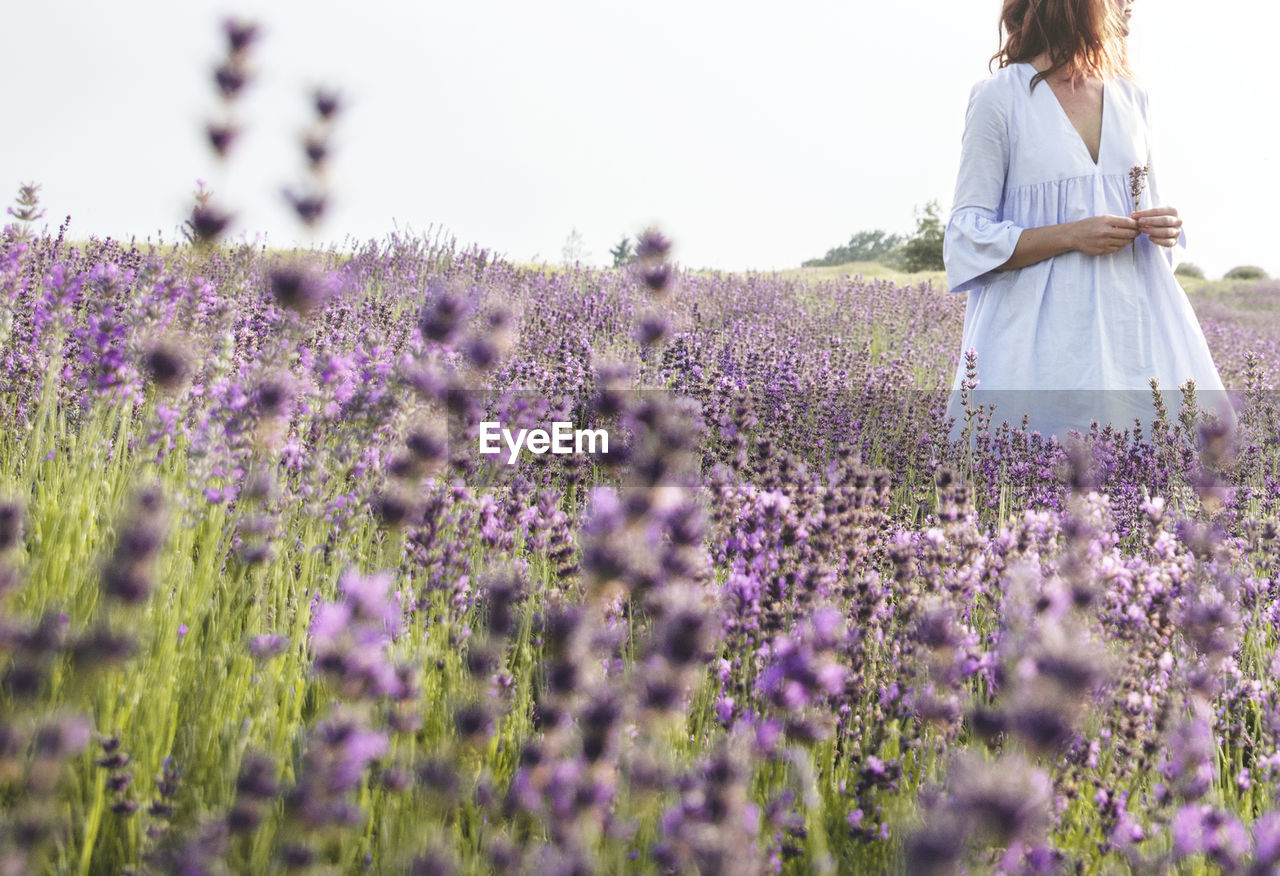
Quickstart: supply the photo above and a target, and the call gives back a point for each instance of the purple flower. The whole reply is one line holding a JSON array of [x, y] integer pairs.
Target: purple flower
[[257, 779], [240, 34], [309, 206], [329, 623], [652, 329], [208, 223], [357, 748], [230, 79], [220, 137], [127, 575], [1266, 840], [1189, 759], [61, 294], [63, 738], [167, 365], [316, 149], [338, 752], [349, 637], [1203, 829], [441, 319], [326, 103], [801, 669], [652, 245], [10, 525], [266, 646], [370, 600], [1137, 182], [659, 279], [297, 287]]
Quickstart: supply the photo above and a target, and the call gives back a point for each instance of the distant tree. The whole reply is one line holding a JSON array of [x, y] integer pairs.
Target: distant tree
[[895, 258], [623, 253], [574, 249], [865, 246], [923, 250], [873, 246], [1246, 272], [1186, 269]]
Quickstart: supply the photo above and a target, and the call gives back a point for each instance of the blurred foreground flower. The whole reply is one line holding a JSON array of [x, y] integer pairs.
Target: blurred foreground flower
[[207, 222], [652, 252], [299, 286]]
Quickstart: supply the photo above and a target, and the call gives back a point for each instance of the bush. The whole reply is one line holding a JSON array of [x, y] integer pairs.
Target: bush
[[923, 251], [1186, 269], [1246, 272]]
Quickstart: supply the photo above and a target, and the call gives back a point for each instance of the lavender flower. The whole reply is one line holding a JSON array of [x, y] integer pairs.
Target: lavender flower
[[326, 102], [11, 515], [230, 79], [127, 576], [309, 206], [442, 317], [1266, 842], [240, 35], [652, 246], [221, 136], [1137, 183], [27, 208], [349, 637], [267, 646], [1003, 804], [298, 287], [1202, 829], [167, 365], [207, 223], [338, 752]]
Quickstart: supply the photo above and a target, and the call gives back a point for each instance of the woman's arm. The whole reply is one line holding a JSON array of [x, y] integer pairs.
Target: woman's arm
[[977, 240], [1097, 235]]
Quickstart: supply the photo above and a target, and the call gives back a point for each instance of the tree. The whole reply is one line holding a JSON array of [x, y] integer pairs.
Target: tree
[[574, 249], [622, 253], [923, 250], [865, 246]]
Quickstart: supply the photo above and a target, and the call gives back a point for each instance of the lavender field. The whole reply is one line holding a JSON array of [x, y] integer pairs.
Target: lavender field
[[267, 609]]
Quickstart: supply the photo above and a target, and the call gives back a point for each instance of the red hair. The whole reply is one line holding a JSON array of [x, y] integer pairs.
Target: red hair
[[1084, 37]]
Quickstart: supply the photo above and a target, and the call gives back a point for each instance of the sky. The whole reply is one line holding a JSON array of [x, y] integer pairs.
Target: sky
[[755, 135]]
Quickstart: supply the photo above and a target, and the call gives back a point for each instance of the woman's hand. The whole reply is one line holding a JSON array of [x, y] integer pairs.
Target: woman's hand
[[1161, 224], [1103, 235]]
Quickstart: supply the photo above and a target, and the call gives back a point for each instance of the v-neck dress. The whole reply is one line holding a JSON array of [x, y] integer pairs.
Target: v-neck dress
[[1076, 337]]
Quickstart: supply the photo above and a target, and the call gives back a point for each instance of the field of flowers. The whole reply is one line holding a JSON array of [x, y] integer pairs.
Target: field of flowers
[[265, 608]]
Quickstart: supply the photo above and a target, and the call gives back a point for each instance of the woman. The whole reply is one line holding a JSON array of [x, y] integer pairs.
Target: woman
[[1073, 306]]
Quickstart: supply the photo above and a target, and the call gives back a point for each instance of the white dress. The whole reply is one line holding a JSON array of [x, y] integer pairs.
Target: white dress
[[1076, 337]]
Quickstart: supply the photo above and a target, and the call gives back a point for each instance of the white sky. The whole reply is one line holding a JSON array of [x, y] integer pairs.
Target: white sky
[[756, 134]]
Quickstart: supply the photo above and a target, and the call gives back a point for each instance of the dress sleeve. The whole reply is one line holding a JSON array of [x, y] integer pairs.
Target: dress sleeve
[[1181, 247], [978, 240]]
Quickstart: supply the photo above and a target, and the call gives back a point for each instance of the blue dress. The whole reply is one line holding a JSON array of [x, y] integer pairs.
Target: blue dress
[[1076, 337]]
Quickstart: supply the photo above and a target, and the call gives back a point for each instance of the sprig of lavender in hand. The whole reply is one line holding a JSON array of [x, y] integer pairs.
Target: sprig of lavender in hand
[[1137, 183]]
